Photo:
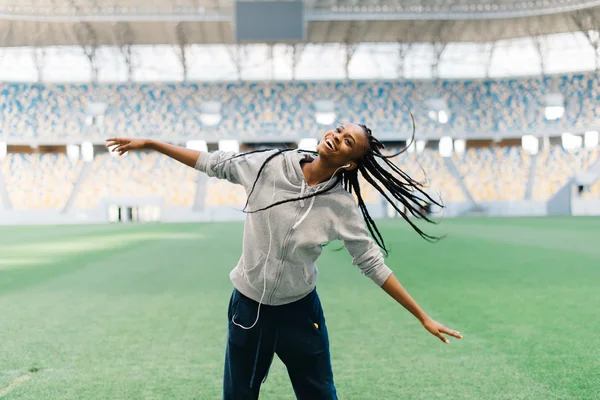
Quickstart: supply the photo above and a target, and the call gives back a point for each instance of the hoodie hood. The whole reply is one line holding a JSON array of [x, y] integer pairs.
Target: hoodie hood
[[293, 170]]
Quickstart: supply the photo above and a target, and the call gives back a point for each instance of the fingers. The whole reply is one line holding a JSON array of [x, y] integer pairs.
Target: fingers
[[451, 332], [118, 145], [122, 149], [117, 140], [111, 142], [442, 338]]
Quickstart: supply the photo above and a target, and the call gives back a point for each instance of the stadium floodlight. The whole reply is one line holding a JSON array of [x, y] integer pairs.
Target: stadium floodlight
[[210, 113], [445, 146], [591, 139], [211, 119], [442, 117], [571, 142], [3, 150], [555, 106], [325, 118], [87, 151], [460, 146], [438, 110], [418, 145], [95, 112], [229, 145], [531, 144], [324, 112], [309, 144], [199, 145], [73, 152], [554, 112]]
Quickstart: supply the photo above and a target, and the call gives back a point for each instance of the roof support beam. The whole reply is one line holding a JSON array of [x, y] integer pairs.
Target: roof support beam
[[38, 58], [297, 51], [182, 49], [124, 37], [541, 46], [488, 66], [589, 25], [350, 50], [403, 50]]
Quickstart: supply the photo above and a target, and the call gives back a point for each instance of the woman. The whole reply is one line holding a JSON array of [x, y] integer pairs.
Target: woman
[[300, 201]]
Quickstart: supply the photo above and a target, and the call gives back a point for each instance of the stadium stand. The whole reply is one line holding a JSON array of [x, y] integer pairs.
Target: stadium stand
[[495, 173], [223, 193], [556, 165], [39, 181], [138, 174], [287, 108], [60, 112], [429, 167]]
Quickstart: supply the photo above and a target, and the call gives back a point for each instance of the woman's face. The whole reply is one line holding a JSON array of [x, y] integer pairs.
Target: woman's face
[[343, 145]]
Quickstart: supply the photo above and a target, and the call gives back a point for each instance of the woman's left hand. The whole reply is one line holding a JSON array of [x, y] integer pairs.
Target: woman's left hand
[[437, 329]]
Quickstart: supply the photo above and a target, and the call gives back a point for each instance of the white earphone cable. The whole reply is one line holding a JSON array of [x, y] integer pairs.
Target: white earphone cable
[[269, 251]]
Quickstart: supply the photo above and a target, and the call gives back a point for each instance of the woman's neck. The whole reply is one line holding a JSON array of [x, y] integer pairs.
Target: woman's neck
[[315, 172]]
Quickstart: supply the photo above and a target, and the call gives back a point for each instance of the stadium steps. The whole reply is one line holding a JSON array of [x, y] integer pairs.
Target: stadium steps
[[200, 192], [531, 179], [475, 209], [595, 168], [454, 171], [591, 176], [4, 194], [85, 170]]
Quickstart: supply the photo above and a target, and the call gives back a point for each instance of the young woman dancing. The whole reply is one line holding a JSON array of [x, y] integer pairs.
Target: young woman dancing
[[297, 202]]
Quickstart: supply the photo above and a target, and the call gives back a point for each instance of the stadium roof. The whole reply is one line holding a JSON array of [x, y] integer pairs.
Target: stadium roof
[[134, 22]]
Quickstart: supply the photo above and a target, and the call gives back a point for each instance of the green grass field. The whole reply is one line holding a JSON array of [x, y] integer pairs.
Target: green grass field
[[139, 312]]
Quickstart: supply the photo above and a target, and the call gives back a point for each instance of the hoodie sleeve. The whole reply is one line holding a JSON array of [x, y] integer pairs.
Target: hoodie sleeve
[[241, 170], [365, 253]]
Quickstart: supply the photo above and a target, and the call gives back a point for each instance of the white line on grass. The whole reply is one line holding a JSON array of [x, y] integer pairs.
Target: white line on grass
[[19, 381]]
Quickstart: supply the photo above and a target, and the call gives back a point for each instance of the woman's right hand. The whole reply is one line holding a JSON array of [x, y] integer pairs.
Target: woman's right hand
[[123, 145]]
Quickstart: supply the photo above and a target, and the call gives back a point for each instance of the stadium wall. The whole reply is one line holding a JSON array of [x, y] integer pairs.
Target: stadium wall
[[585, 207], [515, 208], [100, 214], [208, 214]]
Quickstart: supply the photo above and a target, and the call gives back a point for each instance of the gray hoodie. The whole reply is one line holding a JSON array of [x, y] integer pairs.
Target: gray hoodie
[[281, 244]]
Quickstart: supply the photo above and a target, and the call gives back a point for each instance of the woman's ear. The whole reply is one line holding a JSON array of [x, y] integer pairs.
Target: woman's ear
[[350, 166]]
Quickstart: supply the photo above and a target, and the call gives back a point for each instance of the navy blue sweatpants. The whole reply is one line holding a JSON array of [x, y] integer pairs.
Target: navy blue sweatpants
[[296, 332]]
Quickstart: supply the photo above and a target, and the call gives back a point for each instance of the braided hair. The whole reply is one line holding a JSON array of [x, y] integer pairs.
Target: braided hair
[[391, 182]]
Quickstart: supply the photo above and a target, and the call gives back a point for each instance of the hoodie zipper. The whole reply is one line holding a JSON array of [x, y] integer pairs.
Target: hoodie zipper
[[282, 256]]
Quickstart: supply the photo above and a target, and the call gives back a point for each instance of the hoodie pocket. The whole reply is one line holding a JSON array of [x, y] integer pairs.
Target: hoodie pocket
[[251, 263], [253, 272], [309, 273]]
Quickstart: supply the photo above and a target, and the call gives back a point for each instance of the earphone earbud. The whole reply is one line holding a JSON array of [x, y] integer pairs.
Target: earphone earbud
[[347, 165]]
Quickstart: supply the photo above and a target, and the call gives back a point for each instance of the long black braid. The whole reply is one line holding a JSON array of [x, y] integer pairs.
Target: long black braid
[[402, 188]]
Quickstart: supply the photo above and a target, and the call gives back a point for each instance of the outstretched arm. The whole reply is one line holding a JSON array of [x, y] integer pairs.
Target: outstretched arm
[[240, 169], [368, 257], [393, 287], [181, 154]]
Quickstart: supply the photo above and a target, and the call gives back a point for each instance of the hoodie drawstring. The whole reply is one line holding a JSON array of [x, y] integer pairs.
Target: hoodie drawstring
[[302, 194], [312, 202]]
